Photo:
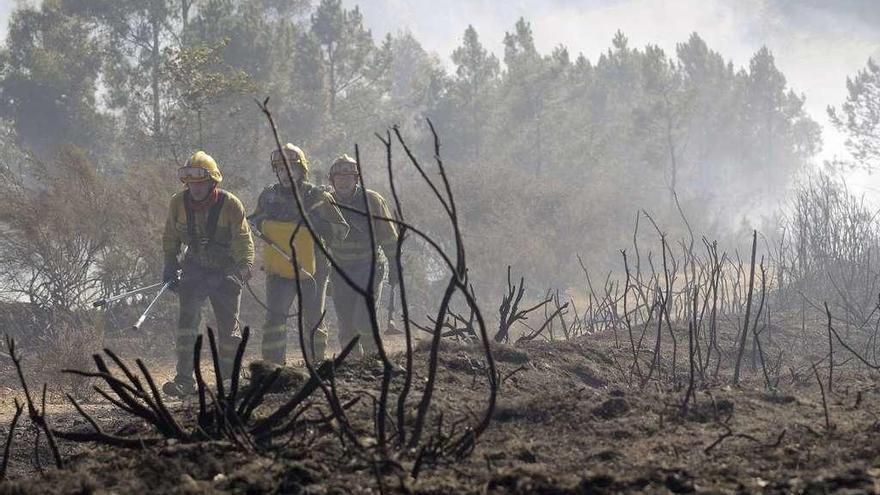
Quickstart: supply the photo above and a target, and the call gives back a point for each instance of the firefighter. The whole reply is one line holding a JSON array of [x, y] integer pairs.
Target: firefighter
[[278, 217], [354, 254], [211, 223]]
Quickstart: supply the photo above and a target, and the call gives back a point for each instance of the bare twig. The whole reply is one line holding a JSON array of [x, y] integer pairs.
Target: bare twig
[[9, 437], [828, 424], [745, 331], [37, 417]]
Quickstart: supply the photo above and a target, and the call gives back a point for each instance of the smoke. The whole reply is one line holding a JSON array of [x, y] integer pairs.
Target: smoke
[[816, 44], [6, 8]]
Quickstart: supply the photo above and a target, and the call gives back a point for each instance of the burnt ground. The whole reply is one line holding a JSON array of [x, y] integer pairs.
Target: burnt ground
[[568, 420]]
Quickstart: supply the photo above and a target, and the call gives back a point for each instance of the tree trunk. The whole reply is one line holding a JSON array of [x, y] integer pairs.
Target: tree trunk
[[201, 139], [476, 119], [670, 144], [156, 26], [184, 19], [332, 84], [745, 331]]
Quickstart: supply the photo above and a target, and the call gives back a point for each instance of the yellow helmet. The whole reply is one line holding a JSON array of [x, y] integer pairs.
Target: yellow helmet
[[295, 156], [199, 168]]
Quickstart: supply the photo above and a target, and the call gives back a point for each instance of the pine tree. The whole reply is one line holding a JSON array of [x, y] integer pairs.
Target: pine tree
[[346, 46], [476, 75], [859, 116], [49, 79]]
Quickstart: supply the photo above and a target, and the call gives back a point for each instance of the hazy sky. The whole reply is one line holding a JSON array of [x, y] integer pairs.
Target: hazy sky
[[6, 7], [817, 43]]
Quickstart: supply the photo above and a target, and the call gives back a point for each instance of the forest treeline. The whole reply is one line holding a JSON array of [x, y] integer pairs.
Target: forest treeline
[[551, 154]]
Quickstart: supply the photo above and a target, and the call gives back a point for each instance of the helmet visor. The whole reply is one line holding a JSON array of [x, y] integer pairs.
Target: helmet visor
[[193, 174], [344, 169], [278, 159], [344, 174]]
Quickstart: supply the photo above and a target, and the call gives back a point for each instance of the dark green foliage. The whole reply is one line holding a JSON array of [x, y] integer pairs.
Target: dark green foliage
[[552, 152], [859, 116], [49, 73]]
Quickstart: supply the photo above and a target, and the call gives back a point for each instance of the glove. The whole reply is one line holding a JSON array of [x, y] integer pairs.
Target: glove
[[169, 274]]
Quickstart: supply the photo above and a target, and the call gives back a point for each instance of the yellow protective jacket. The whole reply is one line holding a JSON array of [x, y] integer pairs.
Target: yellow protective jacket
[[229, 248], [277, 216], [356, 246]]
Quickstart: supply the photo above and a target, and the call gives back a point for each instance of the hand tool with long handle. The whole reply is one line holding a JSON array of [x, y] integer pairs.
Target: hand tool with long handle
[[123, 295], [165, 286]]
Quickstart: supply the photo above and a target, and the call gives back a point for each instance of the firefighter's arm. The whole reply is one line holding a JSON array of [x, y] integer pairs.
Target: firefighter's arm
[[171, 240], [385, 231], [241, 242], [260, 212], [386, 235], [329, 222]]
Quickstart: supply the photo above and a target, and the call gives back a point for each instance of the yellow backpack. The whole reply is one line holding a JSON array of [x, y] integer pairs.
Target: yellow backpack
[[279, 233]]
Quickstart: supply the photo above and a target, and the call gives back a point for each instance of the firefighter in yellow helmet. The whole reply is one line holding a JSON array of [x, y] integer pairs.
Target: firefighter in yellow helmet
[[354, 254], [211, 223], [277, 218]]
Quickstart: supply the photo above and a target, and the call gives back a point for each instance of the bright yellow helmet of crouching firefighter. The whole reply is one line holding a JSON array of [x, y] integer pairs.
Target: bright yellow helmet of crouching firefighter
[[199, 168], [296, 157], [279, 233]]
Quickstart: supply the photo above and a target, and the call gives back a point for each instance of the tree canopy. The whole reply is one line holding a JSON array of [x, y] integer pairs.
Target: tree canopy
[[554, 152]]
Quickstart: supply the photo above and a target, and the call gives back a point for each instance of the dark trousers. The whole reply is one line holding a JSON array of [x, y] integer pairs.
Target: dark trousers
[[280, 294], [351, 308], [224, 293]]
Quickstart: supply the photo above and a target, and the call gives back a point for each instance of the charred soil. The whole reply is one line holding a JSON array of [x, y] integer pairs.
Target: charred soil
[[569, 419]]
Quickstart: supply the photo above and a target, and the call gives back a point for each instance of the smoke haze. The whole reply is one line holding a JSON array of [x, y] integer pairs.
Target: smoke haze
[[816, 44]]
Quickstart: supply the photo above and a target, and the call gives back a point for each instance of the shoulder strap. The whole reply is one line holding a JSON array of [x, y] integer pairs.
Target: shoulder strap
[[214, 216]]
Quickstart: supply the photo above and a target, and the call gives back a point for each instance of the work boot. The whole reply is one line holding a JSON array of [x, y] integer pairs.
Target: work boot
[[179, 387]]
